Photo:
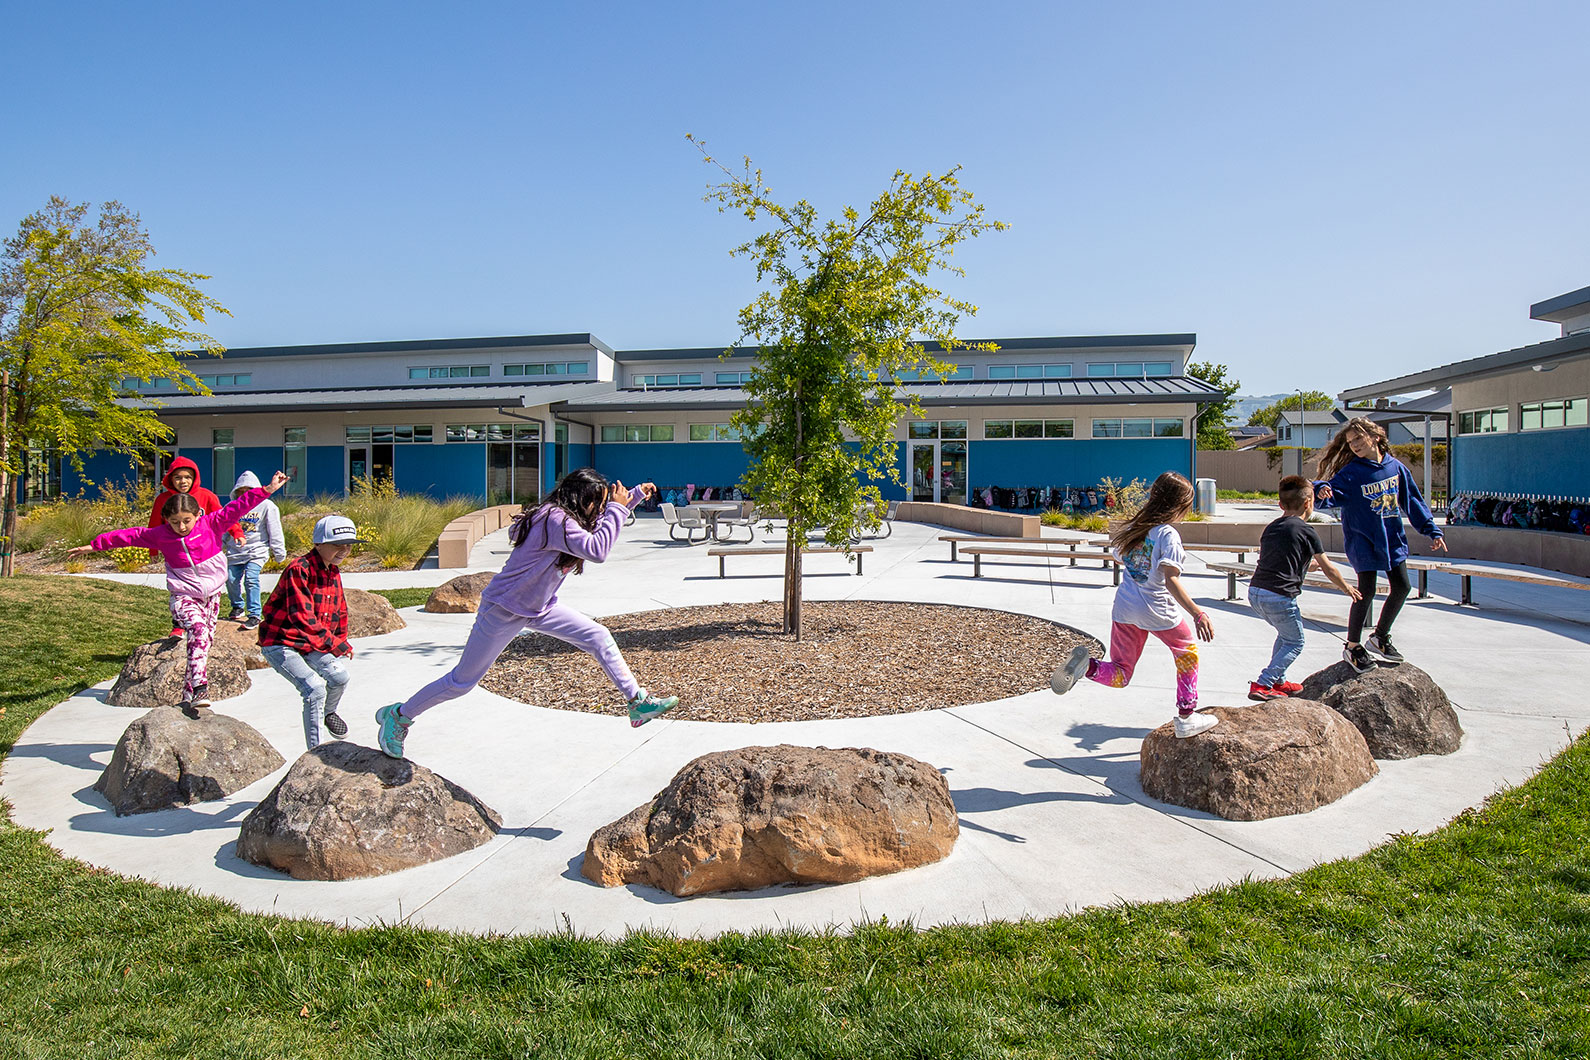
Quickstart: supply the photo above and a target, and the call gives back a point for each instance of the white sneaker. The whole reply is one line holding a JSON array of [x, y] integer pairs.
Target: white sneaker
[[1193, 724], [1074, 670]]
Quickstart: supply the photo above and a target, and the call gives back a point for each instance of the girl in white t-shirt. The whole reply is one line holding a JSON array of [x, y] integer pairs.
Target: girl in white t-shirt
[[1149, 548]]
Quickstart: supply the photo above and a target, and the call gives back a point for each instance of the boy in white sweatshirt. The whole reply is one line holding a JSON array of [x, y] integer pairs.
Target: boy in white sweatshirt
[[257, 536]]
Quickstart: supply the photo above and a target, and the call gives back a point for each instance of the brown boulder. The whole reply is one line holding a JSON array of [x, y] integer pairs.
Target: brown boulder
[[460, 595], [756, 816], [154, 673], [344, 812], [370, 615], [1269, 760], [1400, 709], [166, 759], [245, 641]]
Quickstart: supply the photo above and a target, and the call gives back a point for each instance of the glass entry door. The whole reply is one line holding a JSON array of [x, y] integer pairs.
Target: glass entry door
[[952, 472], [513, 463], [371, 462], [938, 472], [924, 473]]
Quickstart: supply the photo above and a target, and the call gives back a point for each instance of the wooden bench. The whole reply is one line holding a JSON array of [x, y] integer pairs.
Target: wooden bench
[[983, 539], [1241, 551], [1467, 571], [724, 553], [1423, 567], [977, 552]]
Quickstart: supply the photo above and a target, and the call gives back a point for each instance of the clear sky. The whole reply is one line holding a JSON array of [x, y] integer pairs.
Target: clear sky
[[1327, 194]]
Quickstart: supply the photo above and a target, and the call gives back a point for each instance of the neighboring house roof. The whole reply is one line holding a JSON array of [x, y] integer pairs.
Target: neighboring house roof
[[1540, 353], [1256, 441], [1157, 390], [1313, 417], [485, 395]]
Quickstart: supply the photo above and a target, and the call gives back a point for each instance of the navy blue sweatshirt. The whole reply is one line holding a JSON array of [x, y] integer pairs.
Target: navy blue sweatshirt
[[1372, 495]]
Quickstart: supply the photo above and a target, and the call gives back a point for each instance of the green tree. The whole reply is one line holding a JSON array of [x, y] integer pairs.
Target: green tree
[[847, 304], [1212, 432], [1313, 401], [81, 312]]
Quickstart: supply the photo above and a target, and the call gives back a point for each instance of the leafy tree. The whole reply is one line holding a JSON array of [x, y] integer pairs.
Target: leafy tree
[[1313, 401], [1212, 433], [847, 305], [81, 311]]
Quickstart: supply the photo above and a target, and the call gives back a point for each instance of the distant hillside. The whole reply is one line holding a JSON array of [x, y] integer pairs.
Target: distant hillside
[[1247, 405]]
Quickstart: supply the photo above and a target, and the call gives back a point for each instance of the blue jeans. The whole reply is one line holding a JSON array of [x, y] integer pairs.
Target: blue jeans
[[1282, 613], [320, 679], [243, 577]]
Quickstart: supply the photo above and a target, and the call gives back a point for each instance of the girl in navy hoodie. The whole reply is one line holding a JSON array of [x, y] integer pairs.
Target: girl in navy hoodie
[[1373, 489]]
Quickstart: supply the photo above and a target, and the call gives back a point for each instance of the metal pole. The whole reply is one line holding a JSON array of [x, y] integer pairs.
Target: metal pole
[[1427, 458]]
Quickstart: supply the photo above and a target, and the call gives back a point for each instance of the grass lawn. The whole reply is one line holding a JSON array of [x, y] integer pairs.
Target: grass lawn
[[1474, 942]]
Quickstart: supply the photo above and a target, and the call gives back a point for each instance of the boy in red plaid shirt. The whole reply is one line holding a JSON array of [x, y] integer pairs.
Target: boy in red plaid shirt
[[303, 632]]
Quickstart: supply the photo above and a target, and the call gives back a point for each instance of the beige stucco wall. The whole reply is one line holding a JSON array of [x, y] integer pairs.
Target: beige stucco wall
[[1571, 378]]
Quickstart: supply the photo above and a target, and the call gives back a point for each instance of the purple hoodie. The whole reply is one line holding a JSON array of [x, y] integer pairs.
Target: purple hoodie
[[196, 564], [528, 583]]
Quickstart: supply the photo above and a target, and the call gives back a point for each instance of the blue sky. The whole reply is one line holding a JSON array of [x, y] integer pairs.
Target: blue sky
[[1327, 195]]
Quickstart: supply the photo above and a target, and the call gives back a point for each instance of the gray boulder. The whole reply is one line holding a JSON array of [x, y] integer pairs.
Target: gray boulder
[[344, 812], [246, 641], [1269, 760], [166, 759], [370, 615], [459, 596], [757, 816], [154, 673], [1400, 709]]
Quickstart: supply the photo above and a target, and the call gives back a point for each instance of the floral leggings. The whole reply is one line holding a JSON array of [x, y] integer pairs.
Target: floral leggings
[[1126, 647], [197, 619]]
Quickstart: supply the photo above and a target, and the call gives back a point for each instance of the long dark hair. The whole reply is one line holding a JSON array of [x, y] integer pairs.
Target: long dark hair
[[581, 496], [1338, 452], [1169, 498], [181, 502]]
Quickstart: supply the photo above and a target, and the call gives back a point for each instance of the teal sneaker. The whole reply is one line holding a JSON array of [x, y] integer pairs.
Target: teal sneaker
[[392, 727], [646, 706]]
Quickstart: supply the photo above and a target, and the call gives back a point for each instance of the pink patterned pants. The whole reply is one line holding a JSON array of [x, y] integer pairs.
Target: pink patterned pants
[[1126, 647], [196, 618]]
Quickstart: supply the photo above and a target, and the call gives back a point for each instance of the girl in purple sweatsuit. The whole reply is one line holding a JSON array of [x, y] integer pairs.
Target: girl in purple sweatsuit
[[578, 521], [190, 540]]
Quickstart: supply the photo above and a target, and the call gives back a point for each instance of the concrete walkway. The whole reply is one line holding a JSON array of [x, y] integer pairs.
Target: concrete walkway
[[1053, 818]]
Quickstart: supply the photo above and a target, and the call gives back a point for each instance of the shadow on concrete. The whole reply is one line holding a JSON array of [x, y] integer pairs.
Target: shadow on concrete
[[179, 820], [76, 755]]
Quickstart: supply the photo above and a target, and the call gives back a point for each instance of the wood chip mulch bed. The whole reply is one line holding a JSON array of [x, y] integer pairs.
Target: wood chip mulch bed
[[730, 662]]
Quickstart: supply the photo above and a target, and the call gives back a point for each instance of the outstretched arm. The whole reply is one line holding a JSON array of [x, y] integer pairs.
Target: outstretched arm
[[1334, 573], [1418, 511]]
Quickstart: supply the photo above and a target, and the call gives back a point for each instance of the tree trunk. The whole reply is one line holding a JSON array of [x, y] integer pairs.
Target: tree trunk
[[8, 522]]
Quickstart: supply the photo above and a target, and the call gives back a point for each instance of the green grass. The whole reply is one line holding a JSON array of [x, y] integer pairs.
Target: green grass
[[1472, 942], [410, 597], [1245, 495]]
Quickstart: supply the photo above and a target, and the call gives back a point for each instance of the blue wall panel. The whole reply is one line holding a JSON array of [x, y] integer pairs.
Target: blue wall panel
[[328, 470], [202, 458], [263, 460], [101, 469], [457, 469], [1553, 462], [670, 464], [581, 455], [1075, 462]]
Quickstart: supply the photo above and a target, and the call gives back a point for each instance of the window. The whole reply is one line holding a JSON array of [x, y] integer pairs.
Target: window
[[451, 371], [713, 432], [1483, 421], [1029, 371], [1129, 369], [1028, 429], [1544, 415], [927, 375], [383, 435], [638, 432], [548, 368], [682, 379], [1137, 427], [223, 460], [732, 378], [936, 429], [295, 460], [213, 381]]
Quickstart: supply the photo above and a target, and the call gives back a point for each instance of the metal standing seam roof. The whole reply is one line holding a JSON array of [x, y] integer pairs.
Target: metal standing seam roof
[[1157, 390], [1180, 342], [1474, 368], [361, 398]]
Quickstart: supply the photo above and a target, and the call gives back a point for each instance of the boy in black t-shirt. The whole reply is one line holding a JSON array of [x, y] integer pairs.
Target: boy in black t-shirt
[[1285, 550]]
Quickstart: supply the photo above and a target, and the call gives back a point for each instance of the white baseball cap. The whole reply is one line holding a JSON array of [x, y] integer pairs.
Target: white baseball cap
[[337, 530]]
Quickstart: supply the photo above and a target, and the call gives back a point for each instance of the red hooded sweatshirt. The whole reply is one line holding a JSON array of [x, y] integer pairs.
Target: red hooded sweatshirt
[[207, 500]]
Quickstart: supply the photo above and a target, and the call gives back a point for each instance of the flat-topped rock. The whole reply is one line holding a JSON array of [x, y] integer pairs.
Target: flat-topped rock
[[166, 759], [757, 816], [154, 673], [246, 641], [1271, 759], [459, 596], [1400, 709], [370, 615], [344, 812]]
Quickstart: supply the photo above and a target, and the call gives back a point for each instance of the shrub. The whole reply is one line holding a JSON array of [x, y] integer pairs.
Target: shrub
[[1052, 517], [1125, 499], [129, 559]]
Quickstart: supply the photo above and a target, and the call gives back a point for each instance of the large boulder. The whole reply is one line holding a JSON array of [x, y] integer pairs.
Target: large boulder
[[166, 759], [756, 816], [370, 615], [154, 673], [343, 812], [459, 596], [1269, 760], [245, 641], [1400, 710]]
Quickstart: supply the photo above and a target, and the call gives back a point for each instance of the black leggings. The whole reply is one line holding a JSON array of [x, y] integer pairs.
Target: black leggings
[[1397, 586]]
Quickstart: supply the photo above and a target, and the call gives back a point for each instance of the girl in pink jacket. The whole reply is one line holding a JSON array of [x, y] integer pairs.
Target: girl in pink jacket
[[190, 540]]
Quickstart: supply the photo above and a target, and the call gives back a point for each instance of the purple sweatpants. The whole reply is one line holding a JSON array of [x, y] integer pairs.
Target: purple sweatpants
[[197, 619], [496, 626]]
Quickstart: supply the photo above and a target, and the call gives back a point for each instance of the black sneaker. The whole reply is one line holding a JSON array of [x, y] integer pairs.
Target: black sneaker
[[1379, 644], [1358, 658], [335, 725], [251, 623], [200, 697]]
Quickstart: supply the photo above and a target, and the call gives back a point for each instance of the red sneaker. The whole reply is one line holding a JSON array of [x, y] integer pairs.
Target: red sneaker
[[1290, 688], [1260, 693]]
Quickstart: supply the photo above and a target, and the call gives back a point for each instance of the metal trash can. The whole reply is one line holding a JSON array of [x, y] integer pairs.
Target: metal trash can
[[1204, 496]]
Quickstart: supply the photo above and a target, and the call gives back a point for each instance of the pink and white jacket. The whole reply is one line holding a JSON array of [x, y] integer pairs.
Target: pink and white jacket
[[196, 564]]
